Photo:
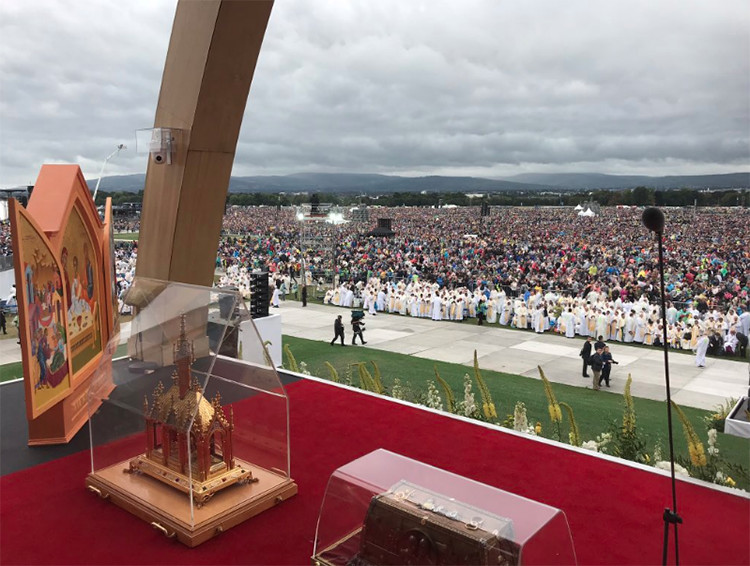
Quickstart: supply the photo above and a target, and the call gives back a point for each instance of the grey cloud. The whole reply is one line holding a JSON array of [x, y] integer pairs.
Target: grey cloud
[[470, 88]]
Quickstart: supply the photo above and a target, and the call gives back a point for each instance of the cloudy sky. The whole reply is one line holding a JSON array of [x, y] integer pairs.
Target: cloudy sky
[[477, 87]]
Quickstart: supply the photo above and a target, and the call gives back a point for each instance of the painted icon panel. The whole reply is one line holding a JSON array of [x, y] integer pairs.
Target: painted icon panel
[[112, 272], [45, 330], [80, 260]]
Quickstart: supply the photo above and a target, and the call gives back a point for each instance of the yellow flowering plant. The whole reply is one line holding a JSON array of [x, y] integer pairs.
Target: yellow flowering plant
[[555, 413], [707, 465], [627, 441], [488, 407]]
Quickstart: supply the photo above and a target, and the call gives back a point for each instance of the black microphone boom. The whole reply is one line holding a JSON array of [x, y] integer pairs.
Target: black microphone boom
[[653, 219]]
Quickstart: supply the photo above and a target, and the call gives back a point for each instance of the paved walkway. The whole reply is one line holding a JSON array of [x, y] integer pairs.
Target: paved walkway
[[514, 351], [518, 352], [10, 351]]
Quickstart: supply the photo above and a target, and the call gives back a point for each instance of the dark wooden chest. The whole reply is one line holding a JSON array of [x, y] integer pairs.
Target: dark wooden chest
[[410, 525]]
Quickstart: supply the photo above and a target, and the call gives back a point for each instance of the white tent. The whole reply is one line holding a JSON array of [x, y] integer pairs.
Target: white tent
[[578, 207], [587, 212]]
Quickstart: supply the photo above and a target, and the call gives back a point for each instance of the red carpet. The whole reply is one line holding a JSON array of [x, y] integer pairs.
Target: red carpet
[[47, 517]]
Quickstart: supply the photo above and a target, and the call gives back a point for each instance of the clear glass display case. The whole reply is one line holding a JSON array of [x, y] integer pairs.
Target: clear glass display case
[[384, 508], [191, 439]]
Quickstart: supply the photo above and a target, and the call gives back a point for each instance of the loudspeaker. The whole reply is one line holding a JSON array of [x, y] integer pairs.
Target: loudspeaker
[[385, 223], [259, 294]]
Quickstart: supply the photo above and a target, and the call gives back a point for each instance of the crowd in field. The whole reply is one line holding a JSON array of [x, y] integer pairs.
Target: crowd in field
[[706, 252], [6, 248], [542, 268], [594, 313]]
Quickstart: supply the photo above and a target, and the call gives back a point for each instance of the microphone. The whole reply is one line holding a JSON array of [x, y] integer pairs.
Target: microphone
[[653, 219]]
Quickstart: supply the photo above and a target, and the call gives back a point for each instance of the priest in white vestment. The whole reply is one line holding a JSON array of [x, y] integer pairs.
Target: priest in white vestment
[[701, 347]]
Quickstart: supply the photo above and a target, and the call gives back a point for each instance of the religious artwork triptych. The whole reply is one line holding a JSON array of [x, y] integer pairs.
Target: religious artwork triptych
[[63, 280]]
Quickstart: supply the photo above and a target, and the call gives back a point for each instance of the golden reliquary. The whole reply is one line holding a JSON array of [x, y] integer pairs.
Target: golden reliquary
[[208, 466]]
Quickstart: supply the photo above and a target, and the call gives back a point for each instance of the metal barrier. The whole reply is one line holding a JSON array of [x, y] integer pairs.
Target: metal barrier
[[6, 262]]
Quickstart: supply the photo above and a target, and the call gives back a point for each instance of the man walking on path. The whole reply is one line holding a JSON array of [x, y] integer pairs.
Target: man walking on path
[[586, 354], [338, 328], [599, 343], [607, 368], [597, 363], [357, 327]]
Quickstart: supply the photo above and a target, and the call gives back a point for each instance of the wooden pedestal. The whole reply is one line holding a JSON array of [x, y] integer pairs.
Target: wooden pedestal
[[168, 510]]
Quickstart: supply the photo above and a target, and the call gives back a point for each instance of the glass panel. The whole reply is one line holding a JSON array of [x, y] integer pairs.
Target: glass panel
[[194, 428], [384, 505]]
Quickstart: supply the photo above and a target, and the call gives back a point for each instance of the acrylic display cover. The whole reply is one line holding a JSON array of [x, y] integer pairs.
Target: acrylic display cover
[[189, 436], [384, 508]]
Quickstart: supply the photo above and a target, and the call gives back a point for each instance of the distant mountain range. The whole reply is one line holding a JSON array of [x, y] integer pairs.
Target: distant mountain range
[[600, 181], [379, 184]]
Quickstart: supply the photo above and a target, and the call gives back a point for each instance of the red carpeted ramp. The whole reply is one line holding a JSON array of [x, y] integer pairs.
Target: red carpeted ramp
[[614, 511]]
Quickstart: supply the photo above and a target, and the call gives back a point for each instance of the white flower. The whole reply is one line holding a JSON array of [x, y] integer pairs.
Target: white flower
[[663, 465], [303, 368], [720, 477], [591, 445], [397, 391], [520, 422], [433, 397], [712, 449], [712, 437], [470, 405]]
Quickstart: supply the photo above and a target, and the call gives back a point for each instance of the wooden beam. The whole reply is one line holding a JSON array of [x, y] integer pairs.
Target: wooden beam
[[210, 64]]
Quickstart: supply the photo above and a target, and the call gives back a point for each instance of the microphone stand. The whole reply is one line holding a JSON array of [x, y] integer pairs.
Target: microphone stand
[[653, 219]]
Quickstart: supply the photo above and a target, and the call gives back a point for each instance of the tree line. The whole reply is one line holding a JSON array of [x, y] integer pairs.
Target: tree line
[[638, 196]]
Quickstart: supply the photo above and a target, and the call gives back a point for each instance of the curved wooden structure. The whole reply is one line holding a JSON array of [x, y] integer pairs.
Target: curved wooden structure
[[210, 64]]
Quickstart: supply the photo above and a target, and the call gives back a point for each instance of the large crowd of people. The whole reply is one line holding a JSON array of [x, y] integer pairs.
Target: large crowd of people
[[706, 253], [592, 313], [546, 269], [6, 249]]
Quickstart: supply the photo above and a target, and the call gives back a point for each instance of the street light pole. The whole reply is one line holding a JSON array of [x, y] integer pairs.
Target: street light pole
[[301, 218], [110, 156]]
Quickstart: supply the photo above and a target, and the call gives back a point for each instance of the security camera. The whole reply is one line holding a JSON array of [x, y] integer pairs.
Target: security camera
[[160, 146]]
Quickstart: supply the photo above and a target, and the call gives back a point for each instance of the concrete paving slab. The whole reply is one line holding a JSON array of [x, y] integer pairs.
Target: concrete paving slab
[[432, 339], [405, 329], [495, 339], [399, 347], [508, 364], [446, 355], [709, 388], [379, 335], [657, 392], [686, 398], [548, 349]]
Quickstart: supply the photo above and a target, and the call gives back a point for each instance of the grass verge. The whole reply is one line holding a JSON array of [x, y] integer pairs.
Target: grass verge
[[126, 236], [11, 371], [14, 370]]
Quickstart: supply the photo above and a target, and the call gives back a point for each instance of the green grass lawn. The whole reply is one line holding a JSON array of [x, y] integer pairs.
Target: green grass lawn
[[594, 410], [14, 370], [126, 236], [11, 371]]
